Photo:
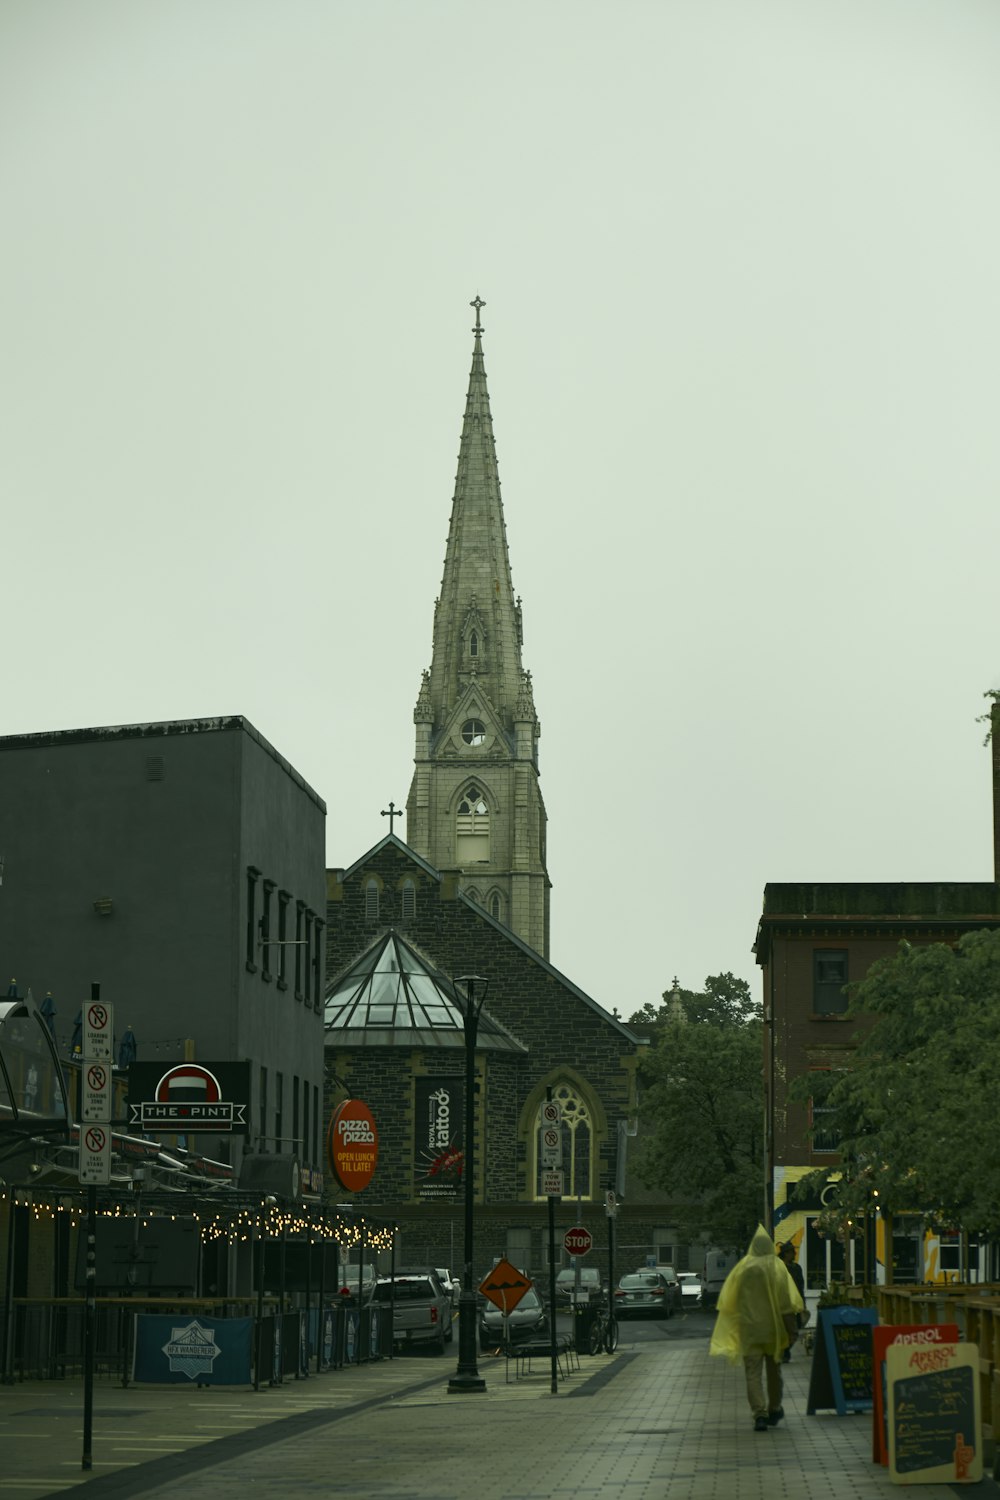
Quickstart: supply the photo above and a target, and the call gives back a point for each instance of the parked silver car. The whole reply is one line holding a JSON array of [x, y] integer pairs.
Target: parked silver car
[[422, 1309], [644, 1294]]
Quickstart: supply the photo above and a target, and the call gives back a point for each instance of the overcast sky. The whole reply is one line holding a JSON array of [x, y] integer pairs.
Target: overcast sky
[[740, 263]]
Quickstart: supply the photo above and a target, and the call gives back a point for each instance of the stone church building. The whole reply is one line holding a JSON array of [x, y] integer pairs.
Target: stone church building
[[467, 893]]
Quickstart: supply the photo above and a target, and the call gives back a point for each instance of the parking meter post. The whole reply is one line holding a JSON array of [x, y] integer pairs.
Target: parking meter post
[[554, 1377], [89, 1328], [611, 1260], [320, 1315]]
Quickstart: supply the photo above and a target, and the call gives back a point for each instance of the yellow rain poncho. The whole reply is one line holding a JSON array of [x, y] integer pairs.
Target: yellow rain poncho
[[757, 1298]]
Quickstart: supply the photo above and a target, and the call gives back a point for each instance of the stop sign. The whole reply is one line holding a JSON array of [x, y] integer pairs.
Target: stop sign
[[578, 1240]]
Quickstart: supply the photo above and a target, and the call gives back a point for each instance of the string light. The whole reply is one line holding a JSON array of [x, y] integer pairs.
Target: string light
[[235, 1225]]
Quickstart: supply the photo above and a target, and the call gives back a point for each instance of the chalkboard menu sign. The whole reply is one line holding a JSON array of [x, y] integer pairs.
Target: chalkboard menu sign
[[935, 1425], [841, 1374], [920, 1334]]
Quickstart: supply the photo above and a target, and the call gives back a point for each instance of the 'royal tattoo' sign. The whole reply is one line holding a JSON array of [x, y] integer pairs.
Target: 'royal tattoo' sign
[[438, 1153]]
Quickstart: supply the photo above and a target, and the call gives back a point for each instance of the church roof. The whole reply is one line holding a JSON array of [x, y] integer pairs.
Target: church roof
[[392, 997], [394, 840]]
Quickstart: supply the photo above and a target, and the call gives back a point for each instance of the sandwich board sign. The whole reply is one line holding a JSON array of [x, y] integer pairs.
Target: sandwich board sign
[[841, 1373], [935, 1421], [918, 1335]]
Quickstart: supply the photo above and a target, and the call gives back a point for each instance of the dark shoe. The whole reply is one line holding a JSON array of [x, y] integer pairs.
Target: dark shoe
[[786, 1356], [774, 1417], [760, 1424]]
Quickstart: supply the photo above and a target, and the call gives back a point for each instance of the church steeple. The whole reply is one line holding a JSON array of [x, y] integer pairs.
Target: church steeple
[[475, 805], [477, 595]]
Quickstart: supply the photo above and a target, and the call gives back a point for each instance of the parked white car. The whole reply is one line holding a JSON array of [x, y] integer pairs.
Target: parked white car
[[451, 1284], [690, 1288]]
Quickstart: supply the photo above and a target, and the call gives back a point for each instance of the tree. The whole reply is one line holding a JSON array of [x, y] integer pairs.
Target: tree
[[915, 1108], [702, 1108], [725, 1001]]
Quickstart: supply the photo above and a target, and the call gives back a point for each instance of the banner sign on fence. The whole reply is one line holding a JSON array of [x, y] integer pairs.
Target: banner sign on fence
[[178, 1350]]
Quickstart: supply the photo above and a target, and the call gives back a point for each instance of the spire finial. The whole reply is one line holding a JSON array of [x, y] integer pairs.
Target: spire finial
[[477, 303]]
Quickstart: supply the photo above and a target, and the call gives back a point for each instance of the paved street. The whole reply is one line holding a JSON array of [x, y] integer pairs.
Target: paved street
[[657, 1419]]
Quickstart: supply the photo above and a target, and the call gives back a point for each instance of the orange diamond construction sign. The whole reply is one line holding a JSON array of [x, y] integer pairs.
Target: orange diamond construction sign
[[505, 1285]]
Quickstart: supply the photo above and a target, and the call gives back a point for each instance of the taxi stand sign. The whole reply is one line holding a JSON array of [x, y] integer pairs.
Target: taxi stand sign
[[95, 1154]]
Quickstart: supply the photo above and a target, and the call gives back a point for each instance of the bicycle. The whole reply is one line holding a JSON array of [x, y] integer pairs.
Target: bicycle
[[604, 1330]]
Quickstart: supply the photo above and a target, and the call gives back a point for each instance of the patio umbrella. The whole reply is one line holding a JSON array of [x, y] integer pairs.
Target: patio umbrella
[[128, 1048]]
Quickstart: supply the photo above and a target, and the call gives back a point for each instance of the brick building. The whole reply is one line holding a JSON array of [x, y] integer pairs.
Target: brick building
[[812, 940]]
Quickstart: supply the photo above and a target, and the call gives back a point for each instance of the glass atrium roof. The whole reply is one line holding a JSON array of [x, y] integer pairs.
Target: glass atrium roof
[[390, 997]]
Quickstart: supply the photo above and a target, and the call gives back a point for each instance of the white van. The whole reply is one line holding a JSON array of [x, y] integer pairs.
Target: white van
[[718, 1264]]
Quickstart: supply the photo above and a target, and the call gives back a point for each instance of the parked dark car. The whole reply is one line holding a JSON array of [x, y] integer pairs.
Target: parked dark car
[[590, 1284], [644, 1294], [527, 1322]]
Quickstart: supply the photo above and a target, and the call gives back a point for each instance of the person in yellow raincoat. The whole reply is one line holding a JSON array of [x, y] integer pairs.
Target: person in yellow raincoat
[[757, 1320]]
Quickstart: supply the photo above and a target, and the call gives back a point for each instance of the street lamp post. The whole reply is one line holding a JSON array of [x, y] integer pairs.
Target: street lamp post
[[467, 1377]]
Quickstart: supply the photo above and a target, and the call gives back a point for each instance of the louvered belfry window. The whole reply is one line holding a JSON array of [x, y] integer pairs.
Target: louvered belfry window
[[472, 828]]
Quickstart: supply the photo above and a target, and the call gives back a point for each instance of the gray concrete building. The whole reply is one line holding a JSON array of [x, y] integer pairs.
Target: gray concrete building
[[181, 866]]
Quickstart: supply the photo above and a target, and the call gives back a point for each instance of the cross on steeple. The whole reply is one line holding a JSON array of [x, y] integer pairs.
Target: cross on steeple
[[391, 812], [477, 303]]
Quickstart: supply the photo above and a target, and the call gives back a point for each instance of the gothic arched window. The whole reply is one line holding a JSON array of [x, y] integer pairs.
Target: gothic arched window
[[473, 644], [409, 899], [496, 906], [371, 900], [577, 1130], [472, 827]]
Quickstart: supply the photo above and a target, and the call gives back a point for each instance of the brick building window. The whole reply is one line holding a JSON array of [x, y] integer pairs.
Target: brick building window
[[409, 899], [371, 900], [829, 978]]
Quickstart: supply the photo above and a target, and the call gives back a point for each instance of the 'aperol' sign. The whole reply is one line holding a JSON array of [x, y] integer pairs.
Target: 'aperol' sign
[[352, 1144]]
